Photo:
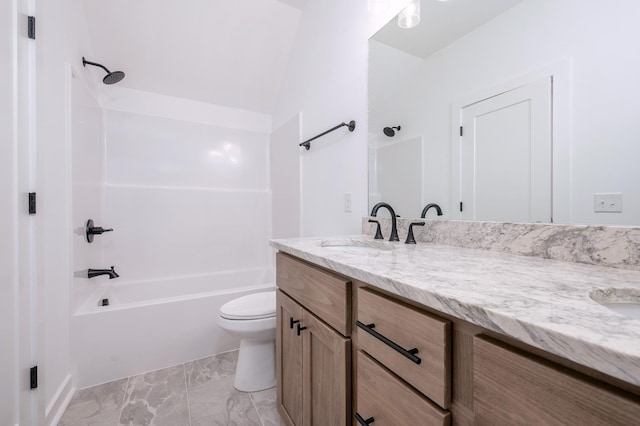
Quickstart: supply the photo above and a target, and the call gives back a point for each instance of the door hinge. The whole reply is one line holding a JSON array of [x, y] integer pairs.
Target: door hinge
[[461, 131], [460, 205], [31, 27], [33, 377], [32, 203]]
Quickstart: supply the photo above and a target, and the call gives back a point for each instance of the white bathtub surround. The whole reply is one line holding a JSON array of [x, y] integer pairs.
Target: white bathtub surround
[[190, 206], [541, 302], [612, 246]]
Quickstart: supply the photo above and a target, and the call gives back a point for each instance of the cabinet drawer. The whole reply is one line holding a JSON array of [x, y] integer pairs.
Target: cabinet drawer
[[428, 367], [515, 388], [391, 402], [327, 295]]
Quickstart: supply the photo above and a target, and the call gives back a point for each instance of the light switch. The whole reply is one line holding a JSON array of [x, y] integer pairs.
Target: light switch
[[347, 202], [608, 203]]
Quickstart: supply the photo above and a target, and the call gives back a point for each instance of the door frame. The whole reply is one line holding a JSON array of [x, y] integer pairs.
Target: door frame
[[560, 73], [17, 286]]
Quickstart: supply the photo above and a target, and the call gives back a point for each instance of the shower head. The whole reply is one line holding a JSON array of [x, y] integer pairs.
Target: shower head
[[111, 77], [390, 132]]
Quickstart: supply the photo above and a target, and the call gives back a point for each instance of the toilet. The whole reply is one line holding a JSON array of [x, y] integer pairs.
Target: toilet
[[252, 319]]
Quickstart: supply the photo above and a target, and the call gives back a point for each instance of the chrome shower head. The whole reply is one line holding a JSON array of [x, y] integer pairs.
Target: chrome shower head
[[111, 77]]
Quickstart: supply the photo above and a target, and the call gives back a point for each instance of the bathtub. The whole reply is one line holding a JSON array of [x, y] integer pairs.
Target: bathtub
[[155, 324]]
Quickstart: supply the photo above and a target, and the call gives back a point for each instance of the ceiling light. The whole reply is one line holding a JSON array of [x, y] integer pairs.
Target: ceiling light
[[410, 15], [377, 6]]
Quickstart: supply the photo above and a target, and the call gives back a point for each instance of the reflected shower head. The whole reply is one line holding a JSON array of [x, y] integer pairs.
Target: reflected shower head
[[111, 77], [390, 132]]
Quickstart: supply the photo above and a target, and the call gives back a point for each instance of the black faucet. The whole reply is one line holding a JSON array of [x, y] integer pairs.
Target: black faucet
[[394, 228], [428, 206], [97, 272], [410, 238]]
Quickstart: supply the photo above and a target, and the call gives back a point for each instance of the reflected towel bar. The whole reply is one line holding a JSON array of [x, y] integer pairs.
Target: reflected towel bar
[[351, 126]]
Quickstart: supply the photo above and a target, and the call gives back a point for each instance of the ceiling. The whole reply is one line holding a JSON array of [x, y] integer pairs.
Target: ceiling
[[231, 53], [442, 23]]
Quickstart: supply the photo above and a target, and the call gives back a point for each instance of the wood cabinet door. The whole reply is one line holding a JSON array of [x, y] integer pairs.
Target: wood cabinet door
[[326, 374], [289, 359], [515, 388]]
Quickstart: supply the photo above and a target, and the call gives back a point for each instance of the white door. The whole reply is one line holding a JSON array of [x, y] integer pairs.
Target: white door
[[505, 156]]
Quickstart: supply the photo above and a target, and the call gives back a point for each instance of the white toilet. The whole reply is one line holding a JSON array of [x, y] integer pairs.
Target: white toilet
[[252, 319]]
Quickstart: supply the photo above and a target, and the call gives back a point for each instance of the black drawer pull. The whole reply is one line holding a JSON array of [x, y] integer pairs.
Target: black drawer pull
[[409, 353], [300, 328], [291, 322], [362, 421]]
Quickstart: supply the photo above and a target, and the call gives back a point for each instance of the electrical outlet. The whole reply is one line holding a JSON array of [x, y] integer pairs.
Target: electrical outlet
[[607, 203], [347, 202]]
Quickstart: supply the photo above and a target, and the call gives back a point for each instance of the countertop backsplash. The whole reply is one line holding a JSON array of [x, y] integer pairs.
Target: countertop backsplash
[[611, 246]]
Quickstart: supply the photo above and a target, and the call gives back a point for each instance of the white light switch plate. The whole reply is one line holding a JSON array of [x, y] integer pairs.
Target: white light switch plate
[[608, 203], [347, 202]]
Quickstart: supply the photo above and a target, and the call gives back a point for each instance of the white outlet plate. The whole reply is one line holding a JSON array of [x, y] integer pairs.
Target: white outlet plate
[[347, 202], [607, 203]]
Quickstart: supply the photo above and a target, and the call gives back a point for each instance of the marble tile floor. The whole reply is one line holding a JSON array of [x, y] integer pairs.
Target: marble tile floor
[[198, 393]]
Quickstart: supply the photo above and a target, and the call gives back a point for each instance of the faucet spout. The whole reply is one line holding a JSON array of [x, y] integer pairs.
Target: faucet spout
[[394, 225], [91, 273], [429, 206]]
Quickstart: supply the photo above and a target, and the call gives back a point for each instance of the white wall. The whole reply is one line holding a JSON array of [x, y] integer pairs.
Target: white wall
[[322, 82], [285, 179], [599, 37], [326, 80]]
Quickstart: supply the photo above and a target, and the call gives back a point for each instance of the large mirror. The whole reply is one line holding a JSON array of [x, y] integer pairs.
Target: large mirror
[[545, 92]]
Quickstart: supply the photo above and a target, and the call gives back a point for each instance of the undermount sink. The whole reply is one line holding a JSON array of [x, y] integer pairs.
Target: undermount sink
[[359, 245], [623, 301]]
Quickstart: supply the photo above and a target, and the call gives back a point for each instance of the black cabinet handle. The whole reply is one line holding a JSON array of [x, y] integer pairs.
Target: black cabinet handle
[[362, 421], [291, 322], [409, 353], [300, 328]]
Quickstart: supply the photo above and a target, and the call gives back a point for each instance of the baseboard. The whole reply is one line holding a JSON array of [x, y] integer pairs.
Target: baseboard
[[59, 402]]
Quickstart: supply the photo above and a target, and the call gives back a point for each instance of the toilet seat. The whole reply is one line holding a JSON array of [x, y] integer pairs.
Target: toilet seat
[[250, 307]]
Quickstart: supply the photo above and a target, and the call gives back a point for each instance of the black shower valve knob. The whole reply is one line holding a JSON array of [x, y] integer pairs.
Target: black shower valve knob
[[98, 230], [91, 230]]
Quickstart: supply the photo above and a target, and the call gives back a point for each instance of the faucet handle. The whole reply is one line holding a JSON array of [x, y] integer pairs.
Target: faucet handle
[[410, 239], [378, 230]]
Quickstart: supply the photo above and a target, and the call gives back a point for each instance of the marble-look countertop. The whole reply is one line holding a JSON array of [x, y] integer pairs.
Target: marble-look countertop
[[544, 303]]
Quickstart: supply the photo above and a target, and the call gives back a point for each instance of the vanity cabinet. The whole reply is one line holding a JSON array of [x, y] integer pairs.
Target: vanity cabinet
[[512, 387], [313, 356], [348, 352]]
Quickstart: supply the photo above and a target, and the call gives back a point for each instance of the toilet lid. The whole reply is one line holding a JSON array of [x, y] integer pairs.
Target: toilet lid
[[252, 306]]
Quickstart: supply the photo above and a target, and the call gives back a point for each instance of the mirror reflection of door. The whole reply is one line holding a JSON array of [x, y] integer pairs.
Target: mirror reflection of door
[[505, 156]]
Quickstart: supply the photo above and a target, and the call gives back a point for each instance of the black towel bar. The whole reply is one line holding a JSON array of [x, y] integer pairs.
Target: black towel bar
[[351, 126]]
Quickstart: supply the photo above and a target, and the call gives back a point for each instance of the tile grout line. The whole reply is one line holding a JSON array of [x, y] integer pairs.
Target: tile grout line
[[124, 398], [186, 391], [256, 408]]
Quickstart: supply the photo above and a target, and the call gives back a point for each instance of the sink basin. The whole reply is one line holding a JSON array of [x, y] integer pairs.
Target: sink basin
[[357, 245], [623, 301]]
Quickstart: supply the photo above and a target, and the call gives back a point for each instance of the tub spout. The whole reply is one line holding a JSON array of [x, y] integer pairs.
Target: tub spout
[[97, 272]]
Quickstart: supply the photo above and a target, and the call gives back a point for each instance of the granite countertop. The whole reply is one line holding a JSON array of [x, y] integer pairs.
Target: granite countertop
[[544, 303]]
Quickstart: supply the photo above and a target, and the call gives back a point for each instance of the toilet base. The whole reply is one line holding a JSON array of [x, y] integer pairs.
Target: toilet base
[[256, 368]]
